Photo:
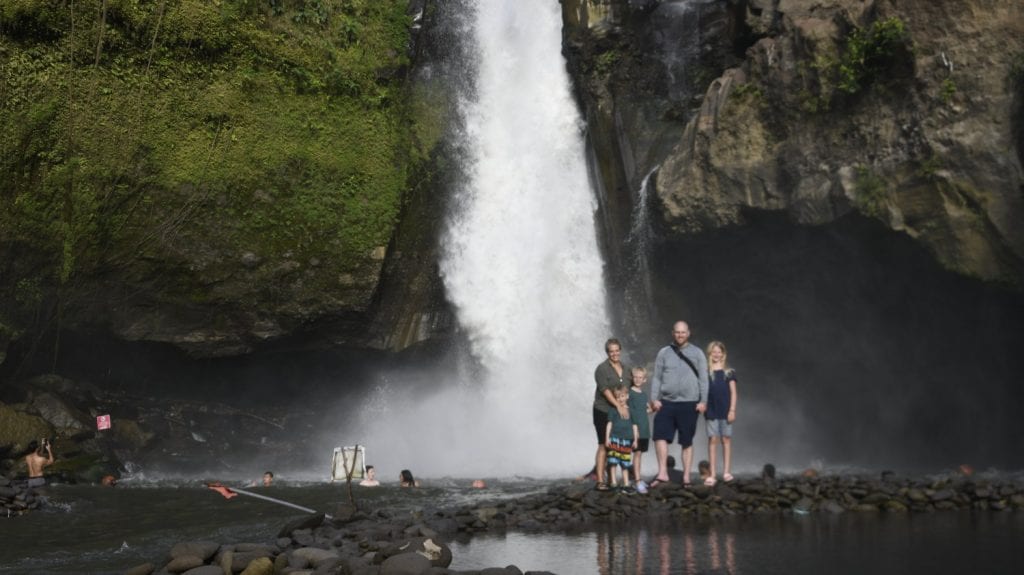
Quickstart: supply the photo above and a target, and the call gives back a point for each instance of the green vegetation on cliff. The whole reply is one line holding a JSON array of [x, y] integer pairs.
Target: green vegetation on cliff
[[867, 56], [178, 135]]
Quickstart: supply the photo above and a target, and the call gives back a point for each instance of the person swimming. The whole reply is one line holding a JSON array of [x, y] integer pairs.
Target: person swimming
[[371, 477], [405, 479]]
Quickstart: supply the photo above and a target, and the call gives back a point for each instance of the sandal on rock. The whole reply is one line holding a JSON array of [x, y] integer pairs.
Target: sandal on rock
[[710, 482], [727, 477], [656, 482], [602, 486]]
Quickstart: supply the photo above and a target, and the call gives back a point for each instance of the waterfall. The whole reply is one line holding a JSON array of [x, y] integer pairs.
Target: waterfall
[[520, 265], [676, 30], [637, 292]]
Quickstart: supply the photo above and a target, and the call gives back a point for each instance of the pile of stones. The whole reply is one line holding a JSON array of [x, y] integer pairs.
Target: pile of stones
[[16, 498], [579, 505], [353, 542]]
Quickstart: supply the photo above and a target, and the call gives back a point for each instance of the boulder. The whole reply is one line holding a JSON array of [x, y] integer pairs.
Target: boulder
[[344, 513], [485, 514], [259, 566], [202, 549], [18, 428], [144, 569], [832, 506], [308, 522], [803, 505], [183, 563], [315, 556], [405, 564], [64, 417], [241, 559]]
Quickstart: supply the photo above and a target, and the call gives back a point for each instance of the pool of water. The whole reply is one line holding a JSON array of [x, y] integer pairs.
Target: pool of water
[[100, 530], [953, 542]]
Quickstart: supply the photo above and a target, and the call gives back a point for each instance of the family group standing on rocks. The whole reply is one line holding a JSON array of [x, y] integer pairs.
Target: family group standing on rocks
[[683, 385]]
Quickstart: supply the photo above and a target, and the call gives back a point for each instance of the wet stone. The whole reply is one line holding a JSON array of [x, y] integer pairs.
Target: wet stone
[[183, 563], [831, 506], [875, 498], [917, 495], [205, 570], [259, 566], [803, 505], [405, 564], [894, 506], [309, 522], [143, 569], [303, 537]]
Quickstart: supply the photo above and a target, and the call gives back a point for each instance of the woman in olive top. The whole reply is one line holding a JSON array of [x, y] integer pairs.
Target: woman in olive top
[[610, 374]]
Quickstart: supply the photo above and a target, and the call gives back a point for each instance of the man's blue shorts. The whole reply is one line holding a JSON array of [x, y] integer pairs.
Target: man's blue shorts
[[675, 416]]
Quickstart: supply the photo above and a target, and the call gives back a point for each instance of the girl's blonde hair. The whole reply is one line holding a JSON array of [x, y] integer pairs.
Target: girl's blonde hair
[[725, 354]]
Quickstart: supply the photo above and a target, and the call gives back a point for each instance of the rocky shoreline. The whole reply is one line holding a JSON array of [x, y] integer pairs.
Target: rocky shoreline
[[398, 542], [16, 498]]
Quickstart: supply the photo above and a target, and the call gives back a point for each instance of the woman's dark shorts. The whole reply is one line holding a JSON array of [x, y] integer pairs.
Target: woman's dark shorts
[[675, 416], [600, 425], [642, 444]]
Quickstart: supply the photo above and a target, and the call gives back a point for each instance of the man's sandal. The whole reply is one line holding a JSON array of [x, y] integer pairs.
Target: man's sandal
[[602, 486], [727, 477]]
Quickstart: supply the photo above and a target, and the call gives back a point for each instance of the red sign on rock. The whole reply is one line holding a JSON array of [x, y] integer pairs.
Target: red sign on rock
[[102, 422]]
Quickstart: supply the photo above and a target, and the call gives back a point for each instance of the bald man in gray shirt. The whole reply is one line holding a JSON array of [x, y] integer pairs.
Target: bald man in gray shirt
[[679, 389]]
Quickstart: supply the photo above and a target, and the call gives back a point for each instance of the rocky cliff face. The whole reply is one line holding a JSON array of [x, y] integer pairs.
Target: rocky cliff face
[[906, 112]]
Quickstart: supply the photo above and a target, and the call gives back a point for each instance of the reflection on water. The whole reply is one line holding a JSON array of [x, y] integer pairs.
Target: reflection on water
[[640, 552], [853, 543], [720, 547]]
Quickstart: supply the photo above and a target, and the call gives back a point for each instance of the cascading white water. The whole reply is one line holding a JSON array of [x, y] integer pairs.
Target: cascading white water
[[521, 262], [637, 292], [522, 267]]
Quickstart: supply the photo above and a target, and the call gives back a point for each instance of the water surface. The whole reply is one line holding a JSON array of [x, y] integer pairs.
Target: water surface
[[854, 543], [102, 530]]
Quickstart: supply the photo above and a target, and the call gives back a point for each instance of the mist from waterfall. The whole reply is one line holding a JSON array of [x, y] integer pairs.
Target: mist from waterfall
[[521, 267]]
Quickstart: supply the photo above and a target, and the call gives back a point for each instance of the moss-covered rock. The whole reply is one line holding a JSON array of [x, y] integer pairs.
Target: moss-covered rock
[[18, 429], [212, 175]]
